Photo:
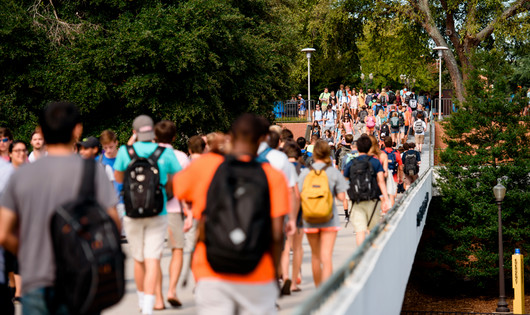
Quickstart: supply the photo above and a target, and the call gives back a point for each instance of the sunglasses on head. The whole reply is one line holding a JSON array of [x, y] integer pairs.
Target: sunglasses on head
[[4, 140]]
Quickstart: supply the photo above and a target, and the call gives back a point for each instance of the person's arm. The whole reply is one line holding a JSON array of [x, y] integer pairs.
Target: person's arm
[[118, 176], [113, 214], [381, 182], [277, 241], [8, 222], [188, 222]]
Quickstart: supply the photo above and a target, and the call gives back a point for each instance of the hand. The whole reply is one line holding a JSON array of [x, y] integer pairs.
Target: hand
[[188, 223], [290, 227], [385, 206]]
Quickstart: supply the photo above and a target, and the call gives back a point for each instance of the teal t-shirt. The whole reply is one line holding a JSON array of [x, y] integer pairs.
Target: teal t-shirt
[[167, 163]]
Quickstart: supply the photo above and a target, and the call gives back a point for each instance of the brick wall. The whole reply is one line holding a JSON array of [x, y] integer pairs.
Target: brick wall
[[298, 129]]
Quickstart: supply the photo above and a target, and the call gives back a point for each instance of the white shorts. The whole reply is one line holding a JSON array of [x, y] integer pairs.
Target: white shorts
[[391, 185], [222, 297]]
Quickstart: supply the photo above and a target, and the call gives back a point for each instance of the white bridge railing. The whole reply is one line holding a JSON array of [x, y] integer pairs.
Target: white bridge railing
[[373, 281]]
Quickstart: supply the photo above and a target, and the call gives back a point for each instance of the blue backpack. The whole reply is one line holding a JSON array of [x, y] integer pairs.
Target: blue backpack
[[392, 161]]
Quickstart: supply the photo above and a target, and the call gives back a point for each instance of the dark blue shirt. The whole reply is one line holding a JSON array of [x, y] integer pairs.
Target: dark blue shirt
[[375, 164], [418, 155]]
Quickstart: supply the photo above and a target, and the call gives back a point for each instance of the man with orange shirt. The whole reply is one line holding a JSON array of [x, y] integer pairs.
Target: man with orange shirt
[[230, 286]]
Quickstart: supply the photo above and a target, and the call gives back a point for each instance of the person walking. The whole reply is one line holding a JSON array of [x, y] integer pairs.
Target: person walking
[[322, 235], [244, 282]]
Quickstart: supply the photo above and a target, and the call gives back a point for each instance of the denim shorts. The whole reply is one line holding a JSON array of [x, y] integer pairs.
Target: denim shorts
[[43, 301]]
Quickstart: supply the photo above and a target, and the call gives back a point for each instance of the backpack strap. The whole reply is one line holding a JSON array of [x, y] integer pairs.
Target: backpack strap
[[87, 180], [262, 157], [156, 154], [132, 152], [373, 212]]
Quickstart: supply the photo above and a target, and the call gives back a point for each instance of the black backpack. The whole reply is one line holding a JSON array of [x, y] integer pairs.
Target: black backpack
[[142, 192], [401, 117], [363, 181], [391, 97], [236, 222], [368, 99], [385, 131], [89, 260], [379, 107], [383, 100], [411, 163], [362, 115]]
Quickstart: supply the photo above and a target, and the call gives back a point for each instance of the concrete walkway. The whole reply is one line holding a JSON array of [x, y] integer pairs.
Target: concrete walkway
[[344, 248]]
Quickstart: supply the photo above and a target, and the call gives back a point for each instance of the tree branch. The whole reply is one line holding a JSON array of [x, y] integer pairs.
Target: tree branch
[[450, 25], [509, 12]]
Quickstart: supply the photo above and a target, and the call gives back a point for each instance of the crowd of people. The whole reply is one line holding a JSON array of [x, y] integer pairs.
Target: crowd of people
[[245, 198]]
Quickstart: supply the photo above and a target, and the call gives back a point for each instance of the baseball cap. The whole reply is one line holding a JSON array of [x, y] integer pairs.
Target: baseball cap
[[143, 125], [90, 142], [331, 144], [299, 94]]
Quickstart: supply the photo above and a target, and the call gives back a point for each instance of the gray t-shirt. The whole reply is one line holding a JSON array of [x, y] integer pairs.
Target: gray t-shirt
[[33, 192], [337, 184]]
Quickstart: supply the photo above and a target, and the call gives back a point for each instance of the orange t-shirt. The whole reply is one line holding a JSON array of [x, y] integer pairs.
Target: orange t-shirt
[[407, 117], [192, 185]]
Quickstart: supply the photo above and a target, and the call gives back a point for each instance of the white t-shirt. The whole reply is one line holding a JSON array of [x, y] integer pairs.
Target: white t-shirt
[[331, 116], [31, 157], [423, 124], [317, 115], [173, 205], [280, 161]]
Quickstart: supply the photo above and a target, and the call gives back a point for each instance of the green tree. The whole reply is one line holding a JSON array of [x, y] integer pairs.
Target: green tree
[[332, 29], [488, 141], [392, 47], [199, 63], [465, 27]]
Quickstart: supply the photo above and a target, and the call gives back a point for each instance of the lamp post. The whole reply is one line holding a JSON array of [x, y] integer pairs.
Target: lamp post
[[502, 306], [371, 77], [440, 50], [308, 52]]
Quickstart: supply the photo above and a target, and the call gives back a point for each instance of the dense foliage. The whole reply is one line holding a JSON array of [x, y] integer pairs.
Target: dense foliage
[[199, 63], [487, 142]]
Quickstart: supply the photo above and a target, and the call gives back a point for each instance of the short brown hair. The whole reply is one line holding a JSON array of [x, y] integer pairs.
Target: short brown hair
[[196, 145], [165, 131], [291, 149], [348, 138], [107, 136], [5, 132], [322, 151]]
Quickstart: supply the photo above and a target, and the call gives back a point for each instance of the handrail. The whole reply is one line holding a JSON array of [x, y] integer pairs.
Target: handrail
[[336, 280]]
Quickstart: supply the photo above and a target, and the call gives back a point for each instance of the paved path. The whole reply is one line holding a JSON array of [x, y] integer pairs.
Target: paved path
[[344, 247]]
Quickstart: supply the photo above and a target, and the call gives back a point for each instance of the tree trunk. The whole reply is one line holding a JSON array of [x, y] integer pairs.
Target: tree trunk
[[450, 60]]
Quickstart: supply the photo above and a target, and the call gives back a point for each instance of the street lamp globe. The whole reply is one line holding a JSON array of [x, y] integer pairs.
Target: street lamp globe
[[440, 50], [308, 52], [362, 76], [371, 76], [499, 191]]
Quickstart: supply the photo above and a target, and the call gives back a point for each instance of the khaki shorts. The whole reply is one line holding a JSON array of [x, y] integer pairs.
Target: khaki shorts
[[418, 139], [176, 225], [362, 212], [146, 236], [215, 296]]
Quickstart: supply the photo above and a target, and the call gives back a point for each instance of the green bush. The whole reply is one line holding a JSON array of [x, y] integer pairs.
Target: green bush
[[488, 140]]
